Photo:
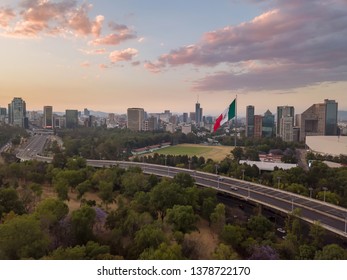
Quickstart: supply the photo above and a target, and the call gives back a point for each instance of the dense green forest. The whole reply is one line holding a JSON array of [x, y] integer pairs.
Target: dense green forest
[[11, 134], [79, 212]]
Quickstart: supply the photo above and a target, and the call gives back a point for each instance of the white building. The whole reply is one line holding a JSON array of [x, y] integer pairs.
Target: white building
[[186, 128], [329, 145]]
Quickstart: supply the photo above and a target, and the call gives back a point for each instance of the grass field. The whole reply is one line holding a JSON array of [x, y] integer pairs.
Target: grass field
[[216, 153]]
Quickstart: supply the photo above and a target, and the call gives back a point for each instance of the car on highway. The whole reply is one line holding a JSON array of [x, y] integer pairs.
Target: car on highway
[[233, 188]]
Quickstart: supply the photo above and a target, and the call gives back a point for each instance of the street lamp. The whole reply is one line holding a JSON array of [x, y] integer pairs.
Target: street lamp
[[218, 182], [278, 182], [324, 190], [243, 174], [310, 189], [189, 162]]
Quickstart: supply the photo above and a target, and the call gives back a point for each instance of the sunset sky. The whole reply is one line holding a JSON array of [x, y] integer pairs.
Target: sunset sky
[[109, 55]]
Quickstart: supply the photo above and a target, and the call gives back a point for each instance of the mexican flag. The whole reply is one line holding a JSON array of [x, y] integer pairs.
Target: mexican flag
[[228, 114]]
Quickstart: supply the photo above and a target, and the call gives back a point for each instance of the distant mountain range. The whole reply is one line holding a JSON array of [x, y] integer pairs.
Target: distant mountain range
[[342, 115]]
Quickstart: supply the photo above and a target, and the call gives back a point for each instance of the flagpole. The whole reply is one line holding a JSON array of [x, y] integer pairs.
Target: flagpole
[[235, 133]]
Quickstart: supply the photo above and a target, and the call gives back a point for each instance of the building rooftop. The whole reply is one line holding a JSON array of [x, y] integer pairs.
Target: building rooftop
[[268, 166], [329, 145]]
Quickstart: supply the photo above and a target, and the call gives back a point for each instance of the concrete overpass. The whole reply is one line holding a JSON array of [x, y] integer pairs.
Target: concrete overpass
[[331, 217]]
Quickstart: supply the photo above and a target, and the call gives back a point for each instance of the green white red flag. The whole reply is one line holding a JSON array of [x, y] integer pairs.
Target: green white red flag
[[228, 114]]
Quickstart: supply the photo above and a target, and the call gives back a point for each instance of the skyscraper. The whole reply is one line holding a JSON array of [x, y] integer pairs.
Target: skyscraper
[[250, 121], [197, 114], [268, 124], [3, 114], [185, 117], [136, 117], [286, 129], [258, 119], [86, 112], [285, 122], [48, 117], [17, 113], [71, 118], [330, 117], [283, 111], [319, 119]]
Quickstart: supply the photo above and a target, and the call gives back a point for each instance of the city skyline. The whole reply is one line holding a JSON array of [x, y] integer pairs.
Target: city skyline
[[164, 110], [110, 56]]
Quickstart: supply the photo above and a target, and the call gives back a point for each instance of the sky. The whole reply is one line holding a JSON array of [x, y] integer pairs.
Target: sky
[[109, 55]]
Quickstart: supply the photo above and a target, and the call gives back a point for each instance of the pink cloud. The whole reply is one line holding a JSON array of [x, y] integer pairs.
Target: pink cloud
[[93, 52], [82, 25], [43, 11], [304, 41], [52, 18], [27, 29], [6, 15], [155, 67], [124, 55], [112, 39]]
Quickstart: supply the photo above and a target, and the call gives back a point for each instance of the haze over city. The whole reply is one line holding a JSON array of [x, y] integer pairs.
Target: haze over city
[[112, 55]]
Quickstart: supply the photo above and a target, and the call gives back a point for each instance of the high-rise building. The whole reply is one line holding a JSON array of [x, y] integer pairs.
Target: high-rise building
[[250, 121], [185, 117], [319, 119], [268, 124], [3, 114], [192, 116], [86, 112], [173, 119], [48, 117], [330, 117], [197, 114], [258, 121], [285, 122], [136, 117], [286, 129], [152, 123], [17, 113], [283, 111], [71, 117], [3, 111]]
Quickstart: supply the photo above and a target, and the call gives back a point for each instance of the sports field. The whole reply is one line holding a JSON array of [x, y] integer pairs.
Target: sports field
[[216, 153]]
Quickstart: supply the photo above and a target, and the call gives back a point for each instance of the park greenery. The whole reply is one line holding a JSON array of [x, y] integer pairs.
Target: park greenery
[[136, 216], [67, 210]]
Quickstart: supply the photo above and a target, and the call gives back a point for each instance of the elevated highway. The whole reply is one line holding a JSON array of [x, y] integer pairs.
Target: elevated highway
[[331, 217]]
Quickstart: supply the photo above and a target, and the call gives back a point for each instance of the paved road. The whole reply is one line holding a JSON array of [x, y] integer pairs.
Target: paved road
[[33, 147], [331, 217]]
